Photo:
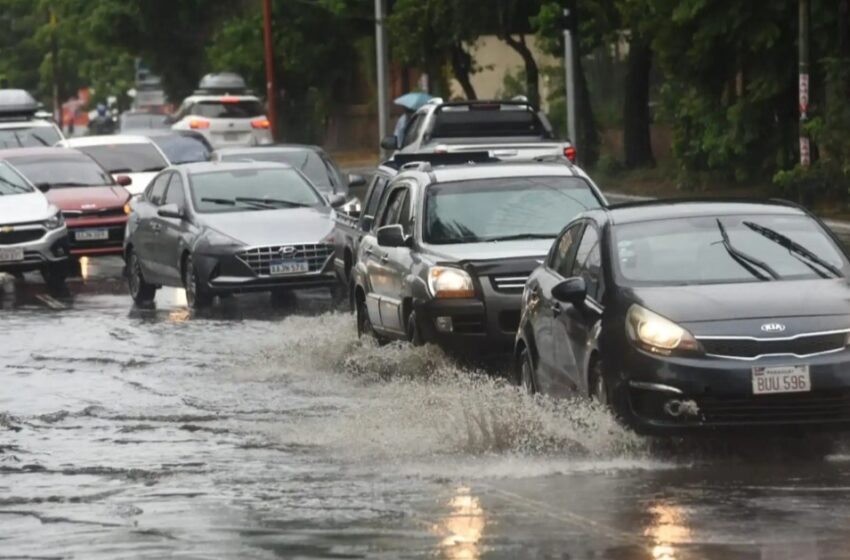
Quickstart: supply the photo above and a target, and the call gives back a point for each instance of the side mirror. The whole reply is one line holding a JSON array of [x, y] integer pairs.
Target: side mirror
[[43, 187], [352, 207], [571, 290], [336, 200], [124, 180], [355, 180], [366, 222], [390, 142], [392, 236], [170, 211]]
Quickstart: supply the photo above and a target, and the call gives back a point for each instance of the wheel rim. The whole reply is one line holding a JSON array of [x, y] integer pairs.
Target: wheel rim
[[527, 374], [189, 282]]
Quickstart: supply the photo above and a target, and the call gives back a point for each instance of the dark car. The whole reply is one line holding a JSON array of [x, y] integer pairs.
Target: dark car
[[93, 204], [181, 146], [451, 247], [686, 315], [223, 228], [317, 165]]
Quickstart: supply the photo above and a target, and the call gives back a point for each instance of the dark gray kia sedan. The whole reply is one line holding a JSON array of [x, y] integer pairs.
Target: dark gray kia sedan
[[686, 316], [221, 228]]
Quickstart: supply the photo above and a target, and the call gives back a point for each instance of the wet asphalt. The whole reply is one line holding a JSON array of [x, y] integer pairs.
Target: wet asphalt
[[255, 431]]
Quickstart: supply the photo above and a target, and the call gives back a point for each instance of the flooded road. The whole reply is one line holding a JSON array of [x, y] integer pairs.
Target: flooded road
[[259, 431]]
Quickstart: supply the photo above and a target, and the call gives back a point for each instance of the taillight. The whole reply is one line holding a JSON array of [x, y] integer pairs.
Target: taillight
[[261, 123], [196, 124], [570, 153]]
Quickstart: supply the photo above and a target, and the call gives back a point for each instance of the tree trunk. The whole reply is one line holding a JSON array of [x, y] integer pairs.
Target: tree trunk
[[588, 136], [462, 68], [637, 142], [532, 72]]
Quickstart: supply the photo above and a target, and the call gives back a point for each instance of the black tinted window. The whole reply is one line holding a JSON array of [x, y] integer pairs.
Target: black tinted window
[[588, 262], [487, 120], [126, 158], [392, 210], [183, 149], [564, 250], [237, 109]]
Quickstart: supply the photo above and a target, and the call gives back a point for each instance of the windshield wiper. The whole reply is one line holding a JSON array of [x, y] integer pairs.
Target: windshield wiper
[[798, 251], [519, 236], [270, 201], [231, 202], [748, 262], [121, 170]]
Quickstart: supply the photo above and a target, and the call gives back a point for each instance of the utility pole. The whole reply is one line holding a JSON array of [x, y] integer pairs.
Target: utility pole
[[805, 148], [271, 93], [382, 64], [569, 76]]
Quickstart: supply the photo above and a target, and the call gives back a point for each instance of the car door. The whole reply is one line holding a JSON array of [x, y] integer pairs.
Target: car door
[[574, 324], [144, 237], [171, 231], [398, 263], [543, 317], [384, 295]]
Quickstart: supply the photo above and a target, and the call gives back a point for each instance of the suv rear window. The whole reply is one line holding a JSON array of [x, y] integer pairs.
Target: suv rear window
[[471, 121], [241, 109], [29, 137]]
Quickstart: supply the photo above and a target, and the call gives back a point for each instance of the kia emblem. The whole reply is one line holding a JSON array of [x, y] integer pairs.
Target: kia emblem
[[773, 327]]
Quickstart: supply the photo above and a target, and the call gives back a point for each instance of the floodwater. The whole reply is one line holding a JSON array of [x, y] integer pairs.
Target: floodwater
[[251, 431]]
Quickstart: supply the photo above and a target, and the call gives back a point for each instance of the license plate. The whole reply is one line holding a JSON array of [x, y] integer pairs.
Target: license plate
[[231, 136], [91, 235], [781, 379], [288, 267], [11, 255]]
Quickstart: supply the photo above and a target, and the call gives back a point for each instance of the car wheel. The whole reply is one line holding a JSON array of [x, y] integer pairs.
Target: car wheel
[[414, 330], [525, 378], [141, 292], [54, 276], [196, 296], [364, 324], [598, 385]]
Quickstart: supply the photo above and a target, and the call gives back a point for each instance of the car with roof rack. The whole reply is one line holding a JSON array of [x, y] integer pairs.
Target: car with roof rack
[[450, 248], [694, 316], [23, 122], [513, 130], [225, 111]]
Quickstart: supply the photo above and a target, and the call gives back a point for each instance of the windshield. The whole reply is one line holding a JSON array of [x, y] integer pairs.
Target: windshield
[[126, 158], [11, 182], [183, 149], [58, 172], [509, 208], [239, 190], [306, 161], [142, 121], [244, 109], [29, 137], [693, 251]]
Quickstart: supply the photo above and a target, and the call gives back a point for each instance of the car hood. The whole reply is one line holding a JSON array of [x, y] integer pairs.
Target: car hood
[[140, 181], [274, 227], [804, 305], [88, 198], [491, 251], [23, 208]]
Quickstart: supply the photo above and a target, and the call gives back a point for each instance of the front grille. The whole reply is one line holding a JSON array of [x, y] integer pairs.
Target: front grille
[[814, 406], [260, 258], [21, 236], [748, 348], [100, 213], [509, 283]]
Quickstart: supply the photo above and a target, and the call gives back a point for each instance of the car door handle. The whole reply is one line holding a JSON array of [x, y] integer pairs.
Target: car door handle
[[384, 258], [556, 309], [368, 252]]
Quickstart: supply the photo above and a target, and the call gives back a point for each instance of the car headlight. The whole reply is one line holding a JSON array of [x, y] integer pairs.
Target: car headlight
[[55, 221], [655, 333], [448, 282]]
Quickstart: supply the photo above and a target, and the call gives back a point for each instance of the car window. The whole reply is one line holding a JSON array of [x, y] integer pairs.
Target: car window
[[251, 189], [412, 130], [376, 191], [156, 192], [393, 208], [56, 172], [588, 262], [11, 182], [175, 194], [126, 158], [29, 137], [228, 109], [563, 252], [183, 149]]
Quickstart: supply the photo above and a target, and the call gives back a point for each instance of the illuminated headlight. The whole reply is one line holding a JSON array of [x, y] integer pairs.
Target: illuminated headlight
[[655, 333], [55, 221], [447, 282]]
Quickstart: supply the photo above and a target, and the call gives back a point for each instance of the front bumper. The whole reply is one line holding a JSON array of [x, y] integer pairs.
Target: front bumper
[[115, 227], [228, 273], [51, 248], [716, 394]]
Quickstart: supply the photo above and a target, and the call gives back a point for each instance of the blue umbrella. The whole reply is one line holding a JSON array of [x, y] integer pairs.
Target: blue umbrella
[[413, 100]]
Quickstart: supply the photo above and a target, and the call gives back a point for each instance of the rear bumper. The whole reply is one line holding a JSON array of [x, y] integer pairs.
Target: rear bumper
[[52, 248], [717, 395], [112, 245]]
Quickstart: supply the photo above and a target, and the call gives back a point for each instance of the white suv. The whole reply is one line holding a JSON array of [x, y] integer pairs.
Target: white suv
[[23, 124], [225, 112]]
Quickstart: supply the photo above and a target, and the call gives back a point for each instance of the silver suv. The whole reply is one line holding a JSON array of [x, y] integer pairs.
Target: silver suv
[[23, 123]]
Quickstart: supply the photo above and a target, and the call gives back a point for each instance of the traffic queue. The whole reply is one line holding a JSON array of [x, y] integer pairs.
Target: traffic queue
[[480, 234]]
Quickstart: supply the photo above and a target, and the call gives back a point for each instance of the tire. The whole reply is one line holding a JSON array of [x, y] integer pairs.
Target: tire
[[339, 296], [75, 269], [364, 324], [599, 390], [55, 275], [415, 336], [141, 292], [196, 296], [525, 373]]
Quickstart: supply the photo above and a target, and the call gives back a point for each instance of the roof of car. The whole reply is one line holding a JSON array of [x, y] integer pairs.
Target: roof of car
[[39, 151], [647, 211], [210, 166], [107, 139], [470, 172], [269, 148]]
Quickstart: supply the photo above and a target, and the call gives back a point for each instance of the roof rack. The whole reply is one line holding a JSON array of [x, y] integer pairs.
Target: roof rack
[[222, 83], [401, 161], [18, 105]]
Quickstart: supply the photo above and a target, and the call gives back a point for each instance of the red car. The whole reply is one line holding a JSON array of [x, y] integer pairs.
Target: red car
[[94, 205]]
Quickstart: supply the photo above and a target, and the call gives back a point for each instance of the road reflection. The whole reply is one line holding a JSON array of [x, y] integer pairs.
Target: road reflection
[[669, 528], [463, 527]]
